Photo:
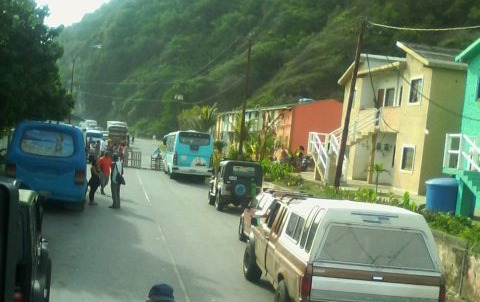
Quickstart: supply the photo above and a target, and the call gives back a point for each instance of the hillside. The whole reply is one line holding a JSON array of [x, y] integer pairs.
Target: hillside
[[152, 50]]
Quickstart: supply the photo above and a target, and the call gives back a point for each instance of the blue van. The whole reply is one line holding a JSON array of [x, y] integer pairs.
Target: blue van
[[50, 158]]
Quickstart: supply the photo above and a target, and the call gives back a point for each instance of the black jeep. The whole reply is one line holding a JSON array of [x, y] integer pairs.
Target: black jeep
[[236, 182]]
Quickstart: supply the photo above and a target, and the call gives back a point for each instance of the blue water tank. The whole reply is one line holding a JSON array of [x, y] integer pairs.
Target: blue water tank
[[441, 194]]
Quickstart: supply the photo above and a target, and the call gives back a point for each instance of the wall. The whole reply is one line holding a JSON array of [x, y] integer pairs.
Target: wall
[[322, 116], [471, 104], [462, 269]]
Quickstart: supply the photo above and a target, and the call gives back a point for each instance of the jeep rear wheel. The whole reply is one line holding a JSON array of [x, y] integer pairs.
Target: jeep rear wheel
[[218, 202], [251, 271], [211, 198], [281, 294]]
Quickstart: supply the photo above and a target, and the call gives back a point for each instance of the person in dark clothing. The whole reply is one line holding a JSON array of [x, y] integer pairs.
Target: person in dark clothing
[[94, 181], [161, 293]]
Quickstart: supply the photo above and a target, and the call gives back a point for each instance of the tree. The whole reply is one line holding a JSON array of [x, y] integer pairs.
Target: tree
[[30, 86], [207, 118]]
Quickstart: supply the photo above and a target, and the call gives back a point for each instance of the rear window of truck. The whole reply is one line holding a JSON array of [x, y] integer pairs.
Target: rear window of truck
[[389, 248]]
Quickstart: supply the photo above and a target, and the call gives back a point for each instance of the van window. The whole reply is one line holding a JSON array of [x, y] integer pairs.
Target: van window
[[307, 226], [389, 248], [254, 204], [280, 220], [273, 213], [313, 230], [294, 226], [47, 143], [264, 200]]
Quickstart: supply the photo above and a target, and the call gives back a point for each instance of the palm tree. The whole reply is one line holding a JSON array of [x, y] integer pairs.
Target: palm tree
[[207, 118]]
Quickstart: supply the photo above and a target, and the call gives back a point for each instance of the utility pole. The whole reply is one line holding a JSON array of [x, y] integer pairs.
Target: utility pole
[[346, 124], [244, 108]]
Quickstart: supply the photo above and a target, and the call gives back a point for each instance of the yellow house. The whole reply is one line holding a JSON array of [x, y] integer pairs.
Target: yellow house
[[402, 109]]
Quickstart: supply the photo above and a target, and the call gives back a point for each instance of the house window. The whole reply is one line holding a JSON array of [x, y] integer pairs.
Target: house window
[[408, 156], [389, 97], [386, 97], [415, 91], [400, 96]]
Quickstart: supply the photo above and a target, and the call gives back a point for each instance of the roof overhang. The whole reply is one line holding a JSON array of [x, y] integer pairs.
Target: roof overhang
[[472, 50]]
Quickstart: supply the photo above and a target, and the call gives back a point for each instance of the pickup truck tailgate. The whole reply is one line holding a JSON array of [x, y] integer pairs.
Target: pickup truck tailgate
[[353, 285]]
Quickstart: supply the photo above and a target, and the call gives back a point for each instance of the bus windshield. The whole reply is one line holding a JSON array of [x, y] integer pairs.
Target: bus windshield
[[194, 138]]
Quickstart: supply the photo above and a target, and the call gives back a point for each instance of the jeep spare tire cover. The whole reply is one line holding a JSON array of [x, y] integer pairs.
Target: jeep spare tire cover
[[240, 189]]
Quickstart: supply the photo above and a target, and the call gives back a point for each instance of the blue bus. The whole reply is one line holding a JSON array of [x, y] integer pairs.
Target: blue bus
[[50, 158], [188, 152]]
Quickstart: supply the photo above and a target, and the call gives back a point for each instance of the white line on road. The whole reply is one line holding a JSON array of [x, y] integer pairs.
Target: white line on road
[[143, 188], [170, 255]]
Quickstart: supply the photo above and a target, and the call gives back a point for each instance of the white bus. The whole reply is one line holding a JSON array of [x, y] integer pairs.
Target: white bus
[[188, 152]]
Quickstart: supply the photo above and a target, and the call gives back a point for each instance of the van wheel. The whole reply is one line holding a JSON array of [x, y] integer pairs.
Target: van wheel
[[281, 294], [80, 206], [251, 271], [218, 202], [241, 235]]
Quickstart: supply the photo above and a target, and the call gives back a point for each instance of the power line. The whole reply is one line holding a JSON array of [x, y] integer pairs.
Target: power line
[[424, 29], [391, 62]]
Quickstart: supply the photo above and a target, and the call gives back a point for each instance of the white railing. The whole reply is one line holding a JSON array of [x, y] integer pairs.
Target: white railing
[[318, 147], [369, 120], [461, 152], [322, 146]]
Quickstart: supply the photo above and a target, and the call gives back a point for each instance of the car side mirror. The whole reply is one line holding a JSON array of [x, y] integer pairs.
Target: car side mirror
[[255, 221]]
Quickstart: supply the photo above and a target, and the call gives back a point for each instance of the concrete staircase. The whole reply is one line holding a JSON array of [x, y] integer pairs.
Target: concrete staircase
[[325, 147], [462, 159]]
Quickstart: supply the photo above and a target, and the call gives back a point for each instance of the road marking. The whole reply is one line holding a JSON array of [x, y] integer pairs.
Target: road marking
[[143, 188], [162, 236], [174, 263]]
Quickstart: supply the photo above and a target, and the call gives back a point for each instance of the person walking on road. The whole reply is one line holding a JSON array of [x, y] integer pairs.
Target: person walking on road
[[117, 168], [161, 293], [105, 162], [94, 181]]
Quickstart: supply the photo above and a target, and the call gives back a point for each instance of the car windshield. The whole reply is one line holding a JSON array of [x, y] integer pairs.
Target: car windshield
[[376, 247]]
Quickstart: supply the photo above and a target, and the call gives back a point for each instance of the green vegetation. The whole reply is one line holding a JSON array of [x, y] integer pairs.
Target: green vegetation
[[30, 86], [154, 50]]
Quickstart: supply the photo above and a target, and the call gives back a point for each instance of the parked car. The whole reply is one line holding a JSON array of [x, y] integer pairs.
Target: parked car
[[50, 158], [258, 208], [313, 249], [34, 266], [8, 240], [236, 182]]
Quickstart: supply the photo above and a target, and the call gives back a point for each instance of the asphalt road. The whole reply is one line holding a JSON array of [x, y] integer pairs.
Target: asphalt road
[[164, 232]]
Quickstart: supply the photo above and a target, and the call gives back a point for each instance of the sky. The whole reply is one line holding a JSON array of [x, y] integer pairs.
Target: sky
[[67, 12]]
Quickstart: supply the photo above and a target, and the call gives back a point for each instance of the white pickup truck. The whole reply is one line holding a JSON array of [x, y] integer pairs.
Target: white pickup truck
[[313, 249]]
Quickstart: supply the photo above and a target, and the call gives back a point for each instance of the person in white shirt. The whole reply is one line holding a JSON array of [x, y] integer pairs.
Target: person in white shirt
[[117, 168]]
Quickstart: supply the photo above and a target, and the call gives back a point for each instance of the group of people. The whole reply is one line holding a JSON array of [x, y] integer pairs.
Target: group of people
[[97, 148], [103, 171]]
